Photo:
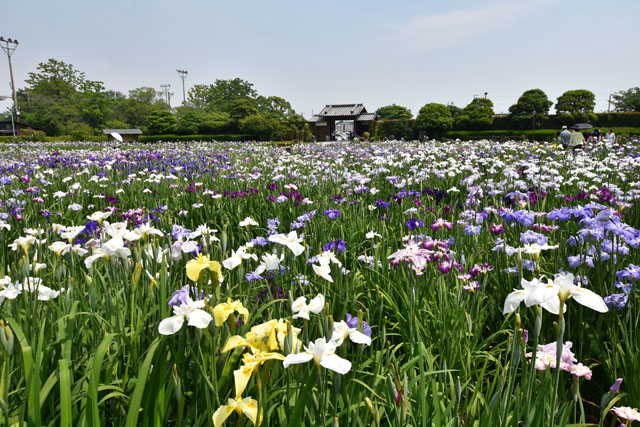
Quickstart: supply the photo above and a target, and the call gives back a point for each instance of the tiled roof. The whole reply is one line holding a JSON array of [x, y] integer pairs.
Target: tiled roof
[[316, 118], [342, 110], [122, 131], [366, 117]]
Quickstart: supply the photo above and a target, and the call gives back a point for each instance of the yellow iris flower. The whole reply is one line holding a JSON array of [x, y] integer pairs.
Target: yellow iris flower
[[195, 266], [275, 331], [246, 406], [222, 311], [251, 362]]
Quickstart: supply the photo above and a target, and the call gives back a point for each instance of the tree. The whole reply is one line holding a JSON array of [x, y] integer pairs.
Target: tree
[[190, 122], [454, 110], [478, 114], [393, 112], [577, 105], [217, 123], [220, 95], [433, 118], [58, 96], [531, 100], [627, 100], [135, 108], [260, 127], [274, 105], [162, 122], [241, 108]]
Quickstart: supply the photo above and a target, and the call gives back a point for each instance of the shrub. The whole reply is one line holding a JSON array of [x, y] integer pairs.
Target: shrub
[[433, 118]]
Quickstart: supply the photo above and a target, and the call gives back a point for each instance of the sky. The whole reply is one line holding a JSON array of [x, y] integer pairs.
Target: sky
[[375, 52]]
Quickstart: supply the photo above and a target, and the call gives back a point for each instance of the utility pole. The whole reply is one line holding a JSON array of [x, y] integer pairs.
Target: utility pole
[[183, 76], [609, 107], [165, 88], [9, 46]]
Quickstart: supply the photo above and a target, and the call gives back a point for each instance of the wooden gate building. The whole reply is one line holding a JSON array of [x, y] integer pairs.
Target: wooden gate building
[[324, 123]]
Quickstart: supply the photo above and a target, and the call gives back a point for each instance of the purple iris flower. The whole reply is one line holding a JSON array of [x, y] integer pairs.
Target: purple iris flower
[[251, 276], [616, 386], [340, 245], [533, 237], [382, 204], [414, 223], [618, 301], [352, 322], [180, 296], [332, 213], [259, 241]]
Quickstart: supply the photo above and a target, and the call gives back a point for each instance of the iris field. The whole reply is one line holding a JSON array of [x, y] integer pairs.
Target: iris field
[[362, 284]]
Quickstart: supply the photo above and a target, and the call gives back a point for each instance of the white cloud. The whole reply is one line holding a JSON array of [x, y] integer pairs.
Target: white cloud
[[459, 27]]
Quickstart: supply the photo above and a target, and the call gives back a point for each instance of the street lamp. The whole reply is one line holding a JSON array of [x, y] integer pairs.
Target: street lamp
[[183, 76], [9, 46]]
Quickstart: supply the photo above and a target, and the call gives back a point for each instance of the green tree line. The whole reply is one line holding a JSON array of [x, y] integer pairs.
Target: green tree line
[[61, 100]]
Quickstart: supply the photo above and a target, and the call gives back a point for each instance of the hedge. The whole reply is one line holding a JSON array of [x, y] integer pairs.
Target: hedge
[[404, 128], [187, 138], [62, 138]]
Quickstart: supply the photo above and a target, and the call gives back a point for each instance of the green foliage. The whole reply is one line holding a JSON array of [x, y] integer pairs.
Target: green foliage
[[396, 129], [274, 105], [627, 100], [576, 106], [433, 118], [393, 112], [135, 108], [220, 95], [190, 122], [530, 101], [241, 108], [477, 115], [58, 97], [198, 137], [160, 122], [261, 127], [215, 122], [630, 119], [116, 124], [455, 111]]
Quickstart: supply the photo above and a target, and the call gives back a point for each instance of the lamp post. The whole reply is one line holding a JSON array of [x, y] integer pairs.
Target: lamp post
[[165, 89], [183, 76], [533, 126], [9, 46]]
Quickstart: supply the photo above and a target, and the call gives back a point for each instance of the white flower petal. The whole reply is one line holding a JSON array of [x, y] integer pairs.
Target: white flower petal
[[171, 325], [199, 318], [512, 301], [359, 338], [336, 364], [589, 299], [294, 359]]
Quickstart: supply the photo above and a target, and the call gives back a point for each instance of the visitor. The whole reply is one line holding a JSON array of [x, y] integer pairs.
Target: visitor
[[576, 141], [565, 137], [586, 135], [611, 137], [596, 136]]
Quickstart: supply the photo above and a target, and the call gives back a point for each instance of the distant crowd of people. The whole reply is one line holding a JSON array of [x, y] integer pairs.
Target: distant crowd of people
[[576, 140]]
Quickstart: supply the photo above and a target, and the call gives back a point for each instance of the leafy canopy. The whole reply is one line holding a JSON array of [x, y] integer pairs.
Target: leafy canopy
[[530, 101], [393, 112], [478, 114], [627, 100], [434, 117]]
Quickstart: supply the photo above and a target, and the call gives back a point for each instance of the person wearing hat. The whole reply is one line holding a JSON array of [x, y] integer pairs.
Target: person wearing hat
[[565, 137]]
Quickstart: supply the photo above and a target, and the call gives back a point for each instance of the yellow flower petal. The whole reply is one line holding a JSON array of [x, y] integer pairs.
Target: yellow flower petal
[[242, 376], [249, 409], [223, 412]]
